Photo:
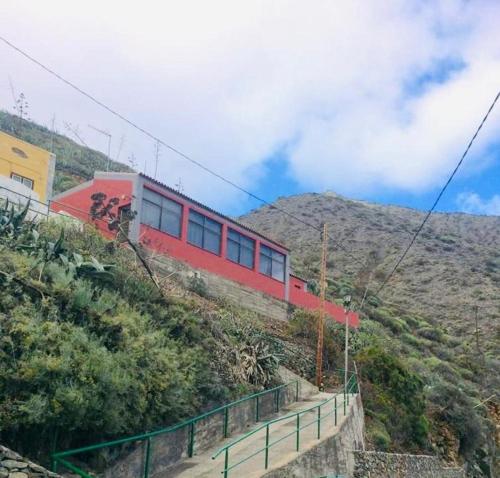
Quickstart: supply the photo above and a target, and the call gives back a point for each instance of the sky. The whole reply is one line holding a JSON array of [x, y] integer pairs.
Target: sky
[[372, 100]]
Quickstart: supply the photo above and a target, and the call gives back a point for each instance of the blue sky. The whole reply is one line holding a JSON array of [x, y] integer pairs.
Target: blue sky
[[372, 100]]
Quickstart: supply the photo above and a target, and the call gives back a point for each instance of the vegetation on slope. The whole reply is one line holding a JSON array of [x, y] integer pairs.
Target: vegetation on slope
[[421, 387], [90, 349], [74, 163]]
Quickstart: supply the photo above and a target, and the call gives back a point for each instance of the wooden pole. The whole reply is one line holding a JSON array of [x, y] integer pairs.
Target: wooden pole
[[321, 315]]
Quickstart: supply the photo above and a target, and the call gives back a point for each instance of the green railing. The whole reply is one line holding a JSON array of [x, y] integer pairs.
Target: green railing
[[147, 438], [351, 387]]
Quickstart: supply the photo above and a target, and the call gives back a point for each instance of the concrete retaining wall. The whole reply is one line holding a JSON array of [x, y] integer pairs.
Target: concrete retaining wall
[[371, 464], [13, 465], [169, 449], [330, 456], [218, 286]]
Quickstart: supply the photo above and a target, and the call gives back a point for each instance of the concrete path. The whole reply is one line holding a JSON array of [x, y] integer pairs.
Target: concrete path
[[203, 466]]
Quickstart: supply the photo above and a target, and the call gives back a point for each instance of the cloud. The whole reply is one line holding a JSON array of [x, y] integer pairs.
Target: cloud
[[472, 203], [359, 95]]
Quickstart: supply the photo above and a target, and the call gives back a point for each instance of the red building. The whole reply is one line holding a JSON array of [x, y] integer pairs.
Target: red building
[[173, 224]]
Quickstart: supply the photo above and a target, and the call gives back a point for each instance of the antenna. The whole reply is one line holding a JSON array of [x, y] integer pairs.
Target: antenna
[[157, 156], [109, 136], [76, 132], [179, 186], [122, 142]]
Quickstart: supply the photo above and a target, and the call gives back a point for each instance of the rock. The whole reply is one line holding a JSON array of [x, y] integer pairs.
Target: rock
[[14, 464], [18, 474]]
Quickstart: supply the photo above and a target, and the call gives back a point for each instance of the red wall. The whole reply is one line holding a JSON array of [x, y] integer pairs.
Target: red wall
[[301, 298], [78, 203]]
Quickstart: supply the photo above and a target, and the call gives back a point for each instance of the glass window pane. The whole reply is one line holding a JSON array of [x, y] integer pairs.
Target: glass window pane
[[278, 257], [247, 242], [213, 225], [246, 257], [233, 235], [211, 241], [266, 251], [151, 214], [265, 264], [171, 222], [195, 234], [172, 206], [152, 196], [196, 217], [278, 271], [233, 250]]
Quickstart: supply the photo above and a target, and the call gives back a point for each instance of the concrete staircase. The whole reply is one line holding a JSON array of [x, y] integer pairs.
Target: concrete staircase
[[282, 452]]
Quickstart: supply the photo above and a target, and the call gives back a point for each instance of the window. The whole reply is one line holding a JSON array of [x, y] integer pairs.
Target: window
[[204, 232], [19, 152], [21, 179], [240, 248], [161, 213], [272, 263]]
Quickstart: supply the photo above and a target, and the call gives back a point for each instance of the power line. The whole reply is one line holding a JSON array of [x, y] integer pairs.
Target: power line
[[168, 146], [457, 167]]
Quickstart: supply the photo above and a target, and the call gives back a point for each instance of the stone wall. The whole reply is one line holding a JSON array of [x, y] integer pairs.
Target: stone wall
[[170, 448], [13, 465], [218, 286], [371, 464]]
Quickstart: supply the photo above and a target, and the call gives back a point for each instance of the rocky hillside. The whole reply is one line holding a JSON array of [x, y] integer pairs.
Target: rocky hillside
[[453, 266]]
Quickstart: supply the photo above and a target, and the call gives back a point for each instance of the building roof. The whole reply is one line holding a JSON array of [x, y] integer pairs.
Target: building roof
[[203, 206]]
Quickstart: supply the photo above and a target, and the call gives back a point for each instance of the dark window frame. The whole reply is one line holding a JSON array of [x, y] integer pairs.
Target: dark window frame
[[240, 245], [23, 178], [162, 198], [271, 255], [205, 224]]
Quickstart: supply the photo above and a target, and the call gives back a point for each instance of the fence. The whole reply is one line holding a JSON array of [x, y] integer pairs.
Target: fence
[[277, 393], [350, 387]]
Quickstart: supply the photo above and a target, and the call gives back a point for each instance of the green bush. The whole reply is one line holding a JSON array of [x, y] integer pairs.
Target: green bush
[[431, 333], [395, 396]]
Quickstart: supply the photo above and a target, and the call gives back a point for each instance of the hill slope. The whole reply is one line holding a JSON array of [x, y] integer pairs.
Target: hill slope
[[453, 266], [74, 163]]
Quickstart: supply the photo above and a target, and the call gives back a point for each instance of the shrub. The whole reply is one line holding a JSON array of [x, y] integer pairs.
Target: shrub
[[395, 395], [431, 333]]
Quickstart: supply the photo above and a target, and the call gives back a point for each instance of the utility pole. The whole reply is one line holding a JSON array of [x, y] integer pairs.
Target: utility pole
[[321, 315], [109, 136], [347, 305], [476, 309]]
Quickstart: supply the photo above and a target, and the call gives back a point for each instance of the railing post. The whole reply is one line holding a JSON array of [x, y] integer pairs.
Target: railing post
[[266, 463], [335, 410], [226, 421], [298, 433], [226, 463], [277, 400], [319, 422], [344, 407], [297, 391], [257, 411], [148, 458], [191, 440], [54, 464]]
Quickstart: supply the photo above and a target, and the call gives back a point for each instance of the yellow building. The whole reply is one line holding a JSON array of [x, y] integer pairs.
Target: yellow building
[[27, 164]]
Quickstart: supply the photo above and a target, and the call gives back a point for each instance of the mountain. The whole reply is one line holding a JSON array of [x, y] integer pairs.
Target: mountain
[[75, 163], [453, 266]]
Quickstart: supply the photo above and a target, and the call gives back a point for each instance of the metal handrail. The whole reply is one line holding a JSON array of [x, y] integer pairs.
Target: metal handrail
[[58, 457], [350, 386]]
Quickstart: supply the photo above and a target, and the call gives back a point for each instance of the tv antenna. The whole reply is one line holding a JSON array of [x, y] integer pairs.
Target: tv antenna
[[109, 136]]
